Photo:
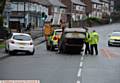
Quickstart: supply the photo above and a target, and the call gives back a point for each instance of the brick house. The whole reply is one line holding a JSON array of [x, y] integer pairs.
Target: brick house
[[112, 4], [56, 11], [75, 12], [105, 6], [25, 12], [96, 9]]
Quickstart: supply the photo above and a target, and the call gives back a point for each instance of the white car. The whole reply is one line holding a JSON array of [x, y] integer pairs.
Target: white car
[[19, 42]]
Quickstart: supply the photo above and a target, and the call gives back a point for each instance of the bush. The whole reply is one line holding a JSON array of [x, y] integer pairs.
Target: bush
[[92, 21], [115, 16], [105, 18]]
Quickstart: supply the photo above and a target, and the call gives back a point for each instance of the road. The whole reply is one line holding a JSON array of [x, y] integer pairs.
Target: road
[[51, 67]]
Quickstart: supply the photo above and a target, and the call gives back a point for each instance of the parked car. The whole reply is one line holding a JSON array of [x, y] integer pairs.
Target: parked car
[[19, 42], [114, 39], [52, 41], [4, 32], [72, 40]]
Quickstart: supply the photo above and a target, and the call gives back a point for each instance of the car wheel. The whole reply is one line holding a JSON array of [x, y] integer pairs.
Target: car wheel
[[109, 44], [11, 52], [59, 51], [48, 47], [52, 48], [6, 50]]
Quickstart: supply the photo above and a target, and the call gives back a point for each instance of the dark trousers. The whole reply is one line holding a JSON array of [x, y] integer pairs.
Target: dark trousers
[[94, 48], [87, 48]]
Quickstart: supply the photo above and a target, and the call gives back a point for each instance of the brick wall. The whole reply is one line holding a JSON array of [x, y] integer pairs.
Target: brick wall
[[89, 5], [68, 4]]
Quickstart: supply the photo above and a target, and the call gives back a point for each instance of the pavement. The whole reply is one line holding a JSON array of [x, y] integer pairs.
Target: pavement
[[38, 36]]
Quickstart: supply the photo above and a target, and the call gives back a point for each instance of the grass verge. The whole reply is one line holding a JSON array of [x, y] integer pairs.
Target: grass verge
[[2, 46]]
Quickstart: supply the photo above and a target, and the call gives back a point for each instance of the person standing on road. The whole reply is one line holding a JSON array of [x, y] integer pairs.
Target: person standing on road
[[87, 47], [94, 39]]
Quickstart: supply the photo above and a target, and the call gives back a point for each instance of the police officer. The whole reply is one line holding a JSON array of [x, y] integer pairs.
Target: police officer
[[87, 48], [94, 39]]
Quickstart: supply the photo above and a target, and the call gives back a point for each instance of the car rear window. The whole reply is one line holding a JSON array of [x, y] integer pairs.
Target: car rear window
[[116, 34], [75, 35], [22, 37]]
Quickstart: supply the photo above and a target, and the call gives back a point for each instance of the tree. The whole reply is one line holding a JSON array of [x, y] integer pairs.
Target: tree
[[2, 5]]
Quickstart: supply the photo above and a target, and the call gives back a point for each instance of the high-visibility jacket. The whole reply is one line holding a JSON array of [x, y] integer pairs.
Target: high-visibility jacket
[[87, 37], [94, 38]]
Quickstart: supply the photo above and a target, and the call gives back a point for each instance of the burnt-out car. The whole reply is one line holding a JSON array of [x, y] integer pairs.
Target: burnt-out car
[[72, 40]]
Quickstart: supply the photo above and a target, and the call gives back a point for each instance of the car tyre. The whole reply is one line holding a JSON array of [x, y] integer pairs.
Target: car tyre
[[109, 44], [6, 51], [48, 47], [52, 48], [11, 52]]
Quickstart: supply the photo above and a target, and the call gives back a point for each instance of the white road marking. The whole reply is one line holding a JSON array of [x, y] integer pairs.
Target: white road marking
[[82, 58], [78, 81], [79, 72], [81, 64]]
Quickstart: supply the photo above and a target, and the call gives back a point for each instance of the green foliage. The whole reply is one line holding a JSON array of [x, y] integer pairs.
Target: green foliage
[[105, 18], [2, 45], [92, 20], [1, 20], [2, 4], [115, 16], [118, 8]]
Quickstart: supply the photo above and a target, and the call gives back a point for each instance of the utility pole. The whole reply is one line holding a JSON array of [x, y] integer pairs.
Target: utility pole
[[24, 13]]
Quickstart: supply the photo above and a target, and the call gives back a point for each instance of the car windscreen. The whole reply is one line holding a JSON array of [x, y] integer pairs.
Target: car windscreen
[[74, 35], [116, 34], [22, 37]]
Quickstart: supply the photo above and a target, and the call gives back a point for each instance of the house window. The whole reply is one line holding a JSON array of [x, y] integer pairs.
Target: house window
[[94, 5], [21, 6], [99, 7], [80, 8], [14, 6], [56, 9], [77, 8]]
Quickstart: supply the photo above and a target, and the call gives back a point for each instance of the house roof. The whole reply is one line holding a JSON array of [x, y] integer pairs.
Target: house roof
[[51, 2], [44, 2], [56, 3], [96, 1], [78, 2], [107, 1]]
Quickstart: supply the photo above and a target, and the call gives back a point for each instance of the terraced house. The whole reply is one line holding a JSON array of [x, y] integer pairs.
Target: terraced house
[[75, 12], [105, 6], [23, 12], [96, 8]]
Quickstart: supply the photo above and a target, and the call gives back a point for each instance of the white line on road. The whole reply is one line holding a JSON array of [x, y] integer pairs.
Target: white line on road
[[81, 64], [78, 82], [79, 72], [82, 58]]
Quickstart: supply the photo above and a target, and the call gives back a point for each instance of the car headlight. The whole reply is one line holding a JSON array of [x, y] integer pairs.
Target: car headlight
[[111, 40]]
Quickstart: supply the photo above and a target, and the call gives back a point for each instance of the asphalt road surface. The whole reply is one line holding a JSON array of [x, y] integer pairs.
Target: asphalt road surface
[[51, 67]]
